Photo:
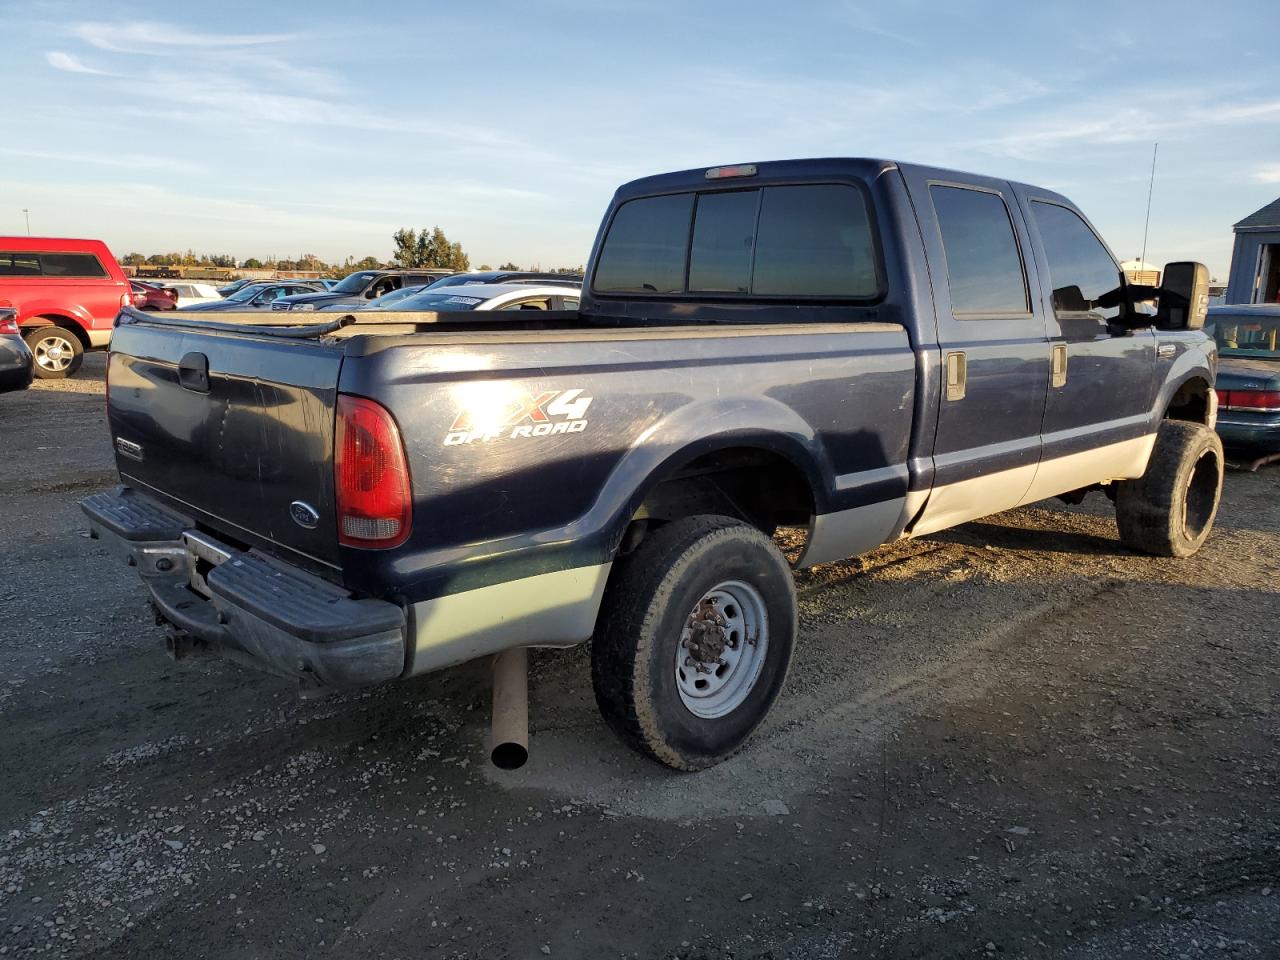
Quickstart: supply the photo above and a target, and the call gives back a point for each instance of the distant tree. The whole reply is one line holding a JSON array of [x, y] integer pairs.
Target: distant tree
[[253, 263], [509, 266], [286, 265], [222, 260], [133, 259], [577, 271], [189, 259], [429, 249], [484, 266], [368, 263], [407, 245]]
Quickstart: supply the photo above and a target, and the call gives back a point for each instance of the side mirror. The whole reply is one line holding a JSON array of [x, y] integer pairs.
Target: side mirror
[[1184, 296]]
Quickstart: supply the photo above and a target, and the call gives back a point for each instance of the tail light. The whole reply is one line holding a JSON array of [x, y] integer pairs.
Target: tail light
[[1255, 401], [374, 495], [9, 321]]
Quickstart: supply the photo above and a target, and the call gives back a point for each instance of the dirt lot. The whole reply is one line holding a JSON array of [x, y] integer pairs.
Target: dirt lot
[[1012, 739]]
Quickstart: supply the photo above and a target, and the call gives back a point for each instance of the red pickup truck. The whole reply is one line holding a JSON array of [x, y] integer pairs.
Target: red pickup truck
[[67, 294]]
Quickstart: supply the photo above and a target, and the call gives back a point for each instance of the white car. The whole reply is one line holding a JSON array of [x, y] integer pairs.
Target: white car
[[488, 296], [192, 293]]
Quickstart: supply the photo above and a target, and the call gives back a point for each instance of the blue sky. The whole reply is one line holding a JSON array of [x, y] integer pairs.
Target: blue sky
[[267, 129]]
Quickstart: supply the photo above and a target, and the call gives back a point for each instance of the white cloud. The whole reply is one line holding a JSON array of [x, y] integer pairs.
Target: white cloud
[[72, 64], [1268, 174], [127, 161], [151, 37]]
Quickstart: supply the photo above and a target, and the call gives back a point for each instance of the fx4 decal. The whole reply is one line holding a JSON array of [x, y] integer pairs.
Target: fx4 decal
[[519, 415]]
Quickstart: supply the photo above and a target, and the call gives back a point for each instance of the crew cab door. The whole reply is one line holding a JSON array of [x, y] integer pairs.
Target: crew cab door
[[1103, 383], [994, 345]]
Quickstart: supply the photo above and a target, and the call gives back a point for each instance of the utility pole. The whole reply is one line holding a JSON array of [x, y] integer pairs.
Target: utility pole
[[27, 213], [1150, 187]]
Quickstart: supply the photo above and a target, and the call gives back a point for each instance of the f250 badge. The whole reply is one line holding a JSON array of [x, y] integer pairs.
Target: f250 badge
[[519, 415]]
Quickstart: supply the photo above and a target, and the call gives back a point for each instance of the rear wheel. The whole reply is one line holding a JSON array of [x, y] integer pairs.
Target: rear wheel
[[1170, 509], [57, 351], [694, 640]]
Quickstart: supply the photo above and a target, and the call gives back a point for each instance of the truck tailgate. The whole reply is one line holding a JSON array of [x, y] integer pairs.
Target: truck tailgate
[[236, 428]]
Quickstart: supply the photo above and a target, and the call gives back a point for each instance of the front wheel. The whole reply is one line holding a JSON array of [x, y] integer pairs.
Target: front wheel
[[694, 640], [57, 351], [1170, 509]]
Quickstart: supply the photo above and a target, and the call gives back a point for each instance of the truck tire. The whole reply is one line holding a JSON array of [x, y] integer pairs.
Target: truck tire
[[1169, 510], [57, 351], [693, 640]]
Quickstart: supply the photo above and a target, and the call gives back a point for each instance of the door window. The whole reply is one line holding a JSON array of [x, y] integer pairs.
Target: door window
[[1081, 270], [984, 265], [19, 265]]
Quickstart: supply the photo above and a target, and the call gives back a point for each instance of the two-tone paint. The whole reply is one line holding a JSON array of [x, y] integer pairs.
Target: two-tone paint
[[516, 522]]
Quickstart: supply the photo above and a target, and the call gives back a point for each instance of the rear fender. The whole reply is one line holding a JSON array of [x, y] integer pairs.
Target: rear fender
[[59, 311], [718, 424]]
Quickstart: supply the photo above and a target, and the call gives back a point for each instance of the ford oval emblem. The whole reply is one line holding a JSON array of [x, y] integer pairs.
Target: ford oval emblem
[[304, 514]]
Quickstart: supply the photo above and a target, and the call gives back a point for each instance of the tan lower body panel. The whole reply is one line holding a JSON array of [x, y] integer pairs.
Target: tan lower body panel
[[549, 610], [958, 503], [1116, 461]]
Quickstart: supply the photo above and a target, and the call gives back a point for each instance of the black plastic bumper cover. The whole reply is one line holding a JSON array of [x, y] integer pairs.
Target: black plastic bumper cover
[[284, 619]]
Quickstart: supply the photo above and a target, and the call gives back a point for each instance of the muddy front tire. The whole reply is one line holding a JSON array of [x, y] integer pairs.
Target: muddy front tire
[[1170, 509], [694, 640]]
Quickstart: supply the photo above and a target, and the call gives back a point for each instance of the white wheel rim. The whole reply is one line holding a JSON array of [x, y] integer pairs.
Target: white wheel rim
[[54, 352], [722, 649]]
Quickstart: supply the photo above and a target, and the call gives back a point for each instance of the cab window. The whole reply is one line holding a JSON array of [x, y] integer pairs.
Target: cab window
[[1081, 270], [644, 251], [984, 266]]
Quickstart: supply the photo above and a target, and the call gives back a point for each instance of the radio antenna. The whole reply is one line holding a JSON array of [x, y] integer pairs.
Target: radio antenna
[[1150, 188]]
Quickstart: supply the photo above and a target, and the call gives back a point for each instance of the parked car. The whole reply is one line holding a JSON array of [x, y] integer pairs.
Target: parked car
[[508, 276], [255, 296], [16, 363], [498, 296], [865, 349], [190, 293], [227, 289], [153, 296], [67, 293], [360, 286], [1248, 381], [381, 303]]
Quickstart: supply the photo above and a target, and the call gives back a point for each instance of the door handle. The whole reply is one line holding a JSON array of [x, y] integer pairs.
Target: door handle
[[1058, 365], [193, 372], [957, 374]]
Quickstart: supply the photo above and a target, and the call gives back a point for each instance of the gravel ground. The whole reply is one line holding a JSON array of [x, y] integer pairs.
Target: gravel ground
[[1011, 739]]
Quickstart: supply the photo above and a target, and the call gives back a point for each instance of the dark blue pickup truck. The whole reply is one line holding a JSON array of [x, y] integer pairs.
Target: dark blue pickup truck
[[865, 349]]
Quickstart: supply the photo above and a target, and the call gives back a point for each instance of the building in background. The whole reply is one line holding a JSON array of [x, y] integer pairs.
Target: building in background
[[1255, 261], [1139, 271]]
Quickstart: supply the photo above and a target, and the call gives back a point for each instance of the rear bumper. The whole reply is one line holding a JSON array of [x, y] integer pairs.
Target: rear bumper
[[1250, 431], [250, 606]]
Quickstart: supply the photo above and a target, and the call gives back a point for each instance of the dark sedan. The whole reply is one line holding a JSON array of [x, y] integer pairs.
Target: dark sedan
[[1248, 381], [256, 296], [16, 366]]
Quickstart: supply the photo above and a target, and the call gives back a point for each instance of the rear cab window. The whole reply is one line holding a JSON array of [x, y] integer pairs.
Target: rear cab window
[[786, 241]]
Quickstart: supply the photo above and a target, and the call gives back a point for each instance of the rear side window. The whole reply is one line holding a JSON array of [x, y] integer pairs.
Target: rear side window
[[71, 265], [644, 252], [984, 266], [19, 265], [784, 241], [1081, 270]]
